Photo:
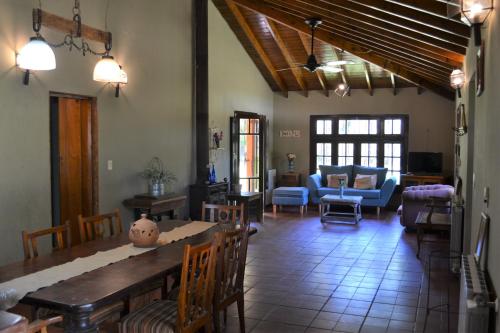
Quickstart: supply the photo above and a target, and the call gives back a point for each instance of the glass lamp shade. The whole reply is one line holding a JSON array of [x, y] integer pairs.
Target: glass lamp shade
[[342, 89], [123, 77], [107, 70], [457, 79], [36, 55], [476, 11]]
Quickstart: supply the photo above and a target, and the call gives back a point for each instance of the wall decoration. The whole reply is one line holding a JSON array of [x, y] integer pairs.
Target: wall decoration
[[480, 70], [288, 133], [460, 121]]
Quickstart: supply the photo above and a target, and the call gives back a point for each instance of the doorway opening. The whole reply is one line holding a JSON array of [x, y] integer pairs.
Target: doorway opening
[[74, 163], [248, 151]]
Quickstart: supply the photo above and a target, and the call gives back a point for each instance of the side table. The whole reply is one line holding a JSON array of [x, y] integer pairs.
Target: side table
[[247, 198]]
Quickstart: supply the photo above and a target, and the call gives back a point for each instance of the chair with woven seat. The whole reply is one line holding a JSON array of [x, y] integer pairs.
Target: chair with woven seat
[[193, 310], [230, 272], [62, 239], [223, 213], [94, 227]]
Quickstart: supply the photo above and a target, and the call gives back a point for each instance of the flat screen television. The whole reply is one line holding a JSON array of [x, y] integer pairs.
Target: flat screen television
[[424, 162]]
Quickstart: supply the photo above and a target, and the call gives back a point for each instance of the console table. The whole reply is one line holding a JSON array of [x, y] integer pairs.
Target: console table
[[410, 180], [210, 193], [155, 205]]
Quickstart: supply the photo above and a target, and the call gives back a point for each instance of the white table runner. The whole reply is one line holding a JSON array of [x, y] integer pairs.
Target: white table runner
[[32, 282]]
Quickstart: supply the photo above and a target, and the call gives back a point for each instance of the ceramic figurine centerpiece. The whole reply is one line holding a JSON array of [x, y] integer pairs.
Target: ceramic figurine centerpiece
[[144, 232]]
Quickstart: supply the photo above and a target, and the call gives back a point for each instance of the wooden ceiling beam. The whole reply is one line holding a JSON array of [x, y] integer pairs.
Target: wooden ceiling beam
[[257, 46], [434, 7], [408, 14], [368, 78], [434, 54], [393, 84], [261, 7], [306, 42], [358, 18], [292, 64]]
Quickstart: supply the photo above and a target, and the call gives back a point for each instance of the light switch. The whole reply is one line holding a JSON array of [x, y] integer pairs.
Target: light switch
[[110, 165], [486, 195]]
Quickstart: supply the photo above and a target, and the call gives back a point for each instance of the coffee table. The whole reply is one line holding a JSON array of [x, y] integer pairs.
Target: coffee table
[[329, 215]]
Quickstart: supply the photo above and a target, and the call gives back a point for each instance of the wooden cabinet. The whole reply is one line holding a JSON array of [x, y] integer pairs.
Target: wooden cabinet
[[210, 193], [412, 180], [290, 179]]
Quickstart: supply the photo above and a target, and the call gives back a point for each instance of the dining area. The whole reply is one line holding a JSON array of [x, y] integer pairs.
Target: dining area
[[160, 276]]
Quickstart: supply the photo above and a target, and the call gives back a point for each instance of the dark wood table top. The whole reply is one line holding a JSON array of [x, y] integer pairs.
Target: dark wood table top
[[89, 291]]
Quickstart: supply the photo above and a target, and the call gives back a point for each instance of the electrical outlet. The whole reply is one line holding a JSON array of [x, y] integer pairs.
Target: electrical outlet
[[110, 165]]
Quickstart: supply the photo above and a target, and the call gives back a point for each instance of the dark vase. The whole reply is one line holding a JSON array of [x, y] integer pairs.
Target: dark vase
[[213, 177]]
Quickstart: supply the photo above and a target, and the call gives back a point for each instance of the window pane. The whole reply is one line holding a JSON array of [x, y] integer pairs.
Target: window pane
[[254, 126], [396, 126], [388, 163], [328, 161], [341, 149], [320, 127], [244, 125], [388, 126], [342, 127], [350, 149], [319, 161], [328, 149], [328, 127], [341, 161], [373, 126], [396, 150], [373, 149], [364, 161], [388, 149], [364, 149], [373, 162], [396, 164], [349, 161], [319, 149]]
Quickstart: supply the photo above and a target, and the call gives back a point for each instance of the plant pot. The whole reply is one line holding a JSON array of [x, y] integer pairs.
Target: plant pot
[[156, 188]]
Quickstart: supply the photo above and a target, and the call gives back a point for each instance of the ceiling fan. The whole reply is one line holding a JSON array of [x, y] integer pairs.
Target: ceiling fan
[[312, 64]]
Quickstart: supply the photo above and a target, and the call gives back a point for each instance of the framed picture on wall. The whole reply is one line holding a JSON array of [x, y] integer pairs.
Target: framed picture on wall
[[480, 70]]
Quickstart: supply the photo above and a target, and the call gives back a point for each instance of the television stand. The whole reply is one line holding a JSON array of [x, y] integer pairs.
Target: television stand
[[410, 179]]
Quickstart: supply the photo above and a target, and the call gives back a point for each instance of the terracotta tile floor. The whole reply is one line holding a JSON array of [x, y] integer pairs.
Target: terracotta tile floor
[[305, 277]]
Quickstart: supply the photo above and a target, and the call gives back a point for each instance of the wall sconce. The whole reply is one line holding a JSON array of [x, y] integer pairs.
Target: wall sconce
[[457, 80], [476, 12], [123, 80], [342, 90]]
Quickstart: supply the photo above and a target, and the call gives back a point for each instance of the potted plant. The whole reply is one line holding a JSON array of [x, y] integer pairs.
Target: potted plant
[[158, 176]]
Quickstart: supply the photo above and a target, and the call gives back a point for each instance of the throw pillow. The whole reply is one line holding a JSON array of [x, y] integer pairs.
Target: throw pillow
[[365, 182], [380, 172], [335, 170], [333, 180]]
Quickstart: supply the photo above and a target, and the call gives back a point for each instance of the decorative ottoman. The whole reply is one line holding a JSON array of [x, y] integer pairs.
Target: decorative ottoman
[[291, 196]]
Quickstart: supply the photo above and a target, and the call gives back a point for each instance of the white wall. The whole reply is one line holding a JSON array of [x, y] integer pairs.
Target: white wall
[[235, 85], [486, 157], [431, 120], [152, 40]]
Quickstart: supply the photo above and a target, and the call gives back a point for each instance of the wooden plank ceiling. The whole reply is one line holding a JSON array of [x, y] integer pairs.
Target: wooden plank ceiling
[[393, 44]]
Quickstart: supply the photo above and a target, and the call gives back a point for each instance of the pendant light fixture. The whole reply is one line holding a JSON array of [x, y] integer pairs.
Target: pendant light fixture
[[342, 90], [476, 12], [36, 55], [457, 80]]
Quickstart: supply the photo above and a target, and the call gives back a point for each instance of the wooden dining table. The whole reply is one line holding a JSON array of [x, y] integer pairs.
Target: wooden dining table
[[79, 297]]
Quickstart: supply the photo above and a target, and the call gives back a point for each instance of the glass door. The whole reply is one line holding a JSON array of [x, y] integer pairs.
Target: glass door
[[248, 151]]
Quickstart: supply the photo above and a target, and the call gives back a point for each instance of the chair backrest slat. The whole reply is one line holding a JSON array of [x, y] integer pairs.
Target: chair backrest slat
[[197, 286], [223, 213], [231, 262], [93, 227], [61, 242]]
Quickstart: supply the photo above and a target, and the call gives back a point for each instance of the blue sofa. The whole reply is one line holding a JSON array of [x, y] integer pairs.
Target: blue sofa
[[379, 197]]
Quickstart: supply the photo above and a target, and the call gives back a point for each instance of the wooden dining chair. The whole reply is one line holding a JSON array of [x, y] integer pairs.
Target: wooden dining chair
[[193, 309], [62, 239], [93, 227], [41, 325], [223, 213], [230, 272]]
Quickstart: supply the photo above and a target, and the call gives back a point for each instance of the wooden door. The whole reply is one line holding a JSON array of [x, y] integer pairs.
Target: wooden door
[[74, 160]]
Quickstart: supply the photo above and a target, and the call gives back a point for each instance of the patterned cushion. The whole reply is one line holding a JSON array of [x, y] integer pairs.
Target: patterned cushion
[[157, 317], [334, 179], [335, 170], [380, 172], [365, 182]]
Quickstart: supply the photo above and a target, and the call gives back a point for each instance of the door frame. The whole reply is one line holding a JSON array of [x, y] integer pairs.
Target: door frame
[[54, 152], [234, 146]]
